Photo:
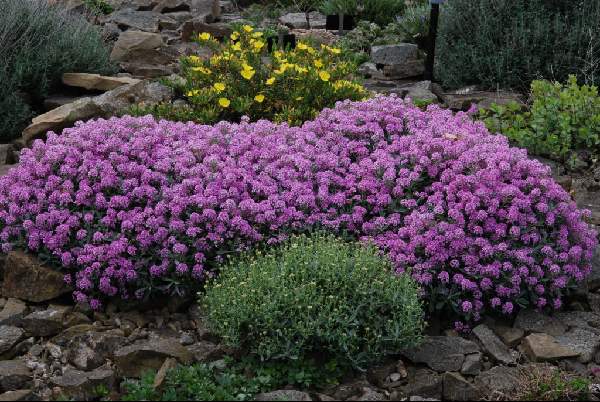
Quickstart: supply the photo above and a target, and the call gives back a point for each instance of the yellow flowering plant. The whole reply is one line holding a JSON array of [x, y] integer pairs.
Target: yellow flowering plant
[[242, 78]]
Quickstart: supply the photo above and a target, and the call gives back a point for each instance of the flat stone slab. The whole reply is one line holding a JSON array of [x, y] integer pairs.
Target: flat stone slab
[[96, 81], [534, 321], [442, 353], [545, 348], [493, 345]]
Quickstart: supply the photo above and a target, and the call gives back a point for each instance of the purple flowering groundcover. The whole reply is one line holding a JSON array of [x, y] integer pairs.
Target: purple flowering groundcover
[[128, 205]]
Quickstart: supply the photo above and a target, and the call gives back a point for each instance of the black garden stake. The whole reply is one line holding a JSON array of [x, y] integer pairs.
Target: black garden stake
[[433, 25]]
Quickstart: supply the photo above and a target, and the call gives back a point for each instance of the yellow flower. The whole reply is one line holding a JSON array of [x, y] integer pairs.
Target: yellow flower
[[235, 35], [335, 50], [204, 36], [247, 67], [324, 75], [201, 70], [248, 28], [259, 45], [219, 86], [224, 102], [192, 93], [299, 98], [270, 81], [257, 34], [248, 74], [194, 59], [302, 46], [259, 98], [318, 63]]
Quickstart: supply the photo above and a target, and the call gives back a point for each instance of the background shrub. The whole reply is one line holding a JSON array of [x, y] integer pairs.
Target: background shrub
[[509, 43], [130, 207], [562, 122], [38, 43], [316, 295]]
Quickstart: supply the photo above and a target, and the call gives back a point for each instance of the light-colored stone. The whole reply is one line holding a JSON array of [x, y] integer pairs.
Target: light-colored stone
[[26, 278], [81, 385], [543, 347], [13, 311], [584, 342], [283, 395], [14, 375], [408, 69], [18, 395], [298, 20], [96, 81], [534, 321], [134, 41], [499, 381], [134, 360], [161, 375], [9, 336], [472, 365], [394, 54], [442, 353], [510, 336], [421, 91], [46, 322]]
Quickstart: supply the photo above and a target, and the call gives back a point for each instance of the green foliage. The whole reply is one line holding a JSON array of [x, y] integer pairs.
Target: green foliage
[[562, 123], [38, 43], [381, 12], [509, 43], [315, 296], [238, 381], [413, 25], [98, 6], [333, 7]]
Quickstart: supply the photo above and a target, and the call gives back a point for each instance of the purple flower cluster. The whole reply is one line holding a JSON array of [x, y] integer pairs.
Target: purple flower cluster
[[128, 205]]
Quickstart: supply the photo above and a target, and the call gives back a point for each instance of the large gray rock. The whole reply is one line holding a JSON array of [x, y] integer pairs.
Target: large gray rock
[[394, 54], [421, 91], [172, 6], [134, 41], [283, 395], [81, 385], [423, 383], [96, 81], [135, 360], [493, 345], [14, 375], [509, 335], [534, 321], [18, 395], [108, 104], [12, 312], [442, 353], [26, 278], [585, 342], [9, 336], [543, 347], [90, 350], [472, 364], [298, 20], [147, 21], [408, 69], [499, 380], [46, 322]]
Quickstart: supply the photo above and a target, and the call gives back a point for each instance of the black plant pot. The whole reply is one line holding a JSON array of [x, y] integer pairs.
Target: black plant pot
[[289, 41], [333, 22]]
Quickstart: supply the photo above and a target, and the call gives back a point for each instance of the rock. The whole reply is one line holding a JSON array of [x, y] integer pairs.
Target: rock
[[12, 313], [96, 81], [9, 337], [54, 101], [145, 355], [27, 279], [205, 351], [510, 336], [456, 388], [171, 6], [368, 69], [298, 20], [378, 375], [543, 347], [18, 395], [14, 375], [582, 341], [108, 104], [161, 375], [408, 69], [493, 345], [147, 21], [394, 54], [500, 381], [423, 383], [283, 395], [369, 394], [90, 350], [462, 100], [580, 319], [534, 321], [134, 41], [442, 353], [198, 25], [421, 91], [348, 390], [46, 322], [593, 280], [472, 364], [80, 385]]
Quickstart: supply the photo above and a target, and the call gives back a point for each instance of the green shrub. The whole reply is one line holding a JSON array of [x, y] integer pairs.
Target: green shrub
[[562, 122], [381, 12], [315, 296], [39, 42], [99, 6], [509, 43]]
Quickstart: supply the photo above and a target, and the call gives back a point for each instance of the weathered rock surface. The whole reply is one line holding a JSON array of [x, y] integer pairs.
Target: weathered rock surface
[[442, 353], [423, 383], [510, 336], [543, 347], [580, 340], [105, 105], [534, 321], [484, 99], [9, 336], [134, 41], [142, 356], [499, 380], [96, 81], [457, 388], [18, 395], [394, 54], [198, 25], [472, 364], [421, 91], [493, 345], [12, 312], [27, 279], [298, 20], [14, 375], [81, 385], [46, 322]]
